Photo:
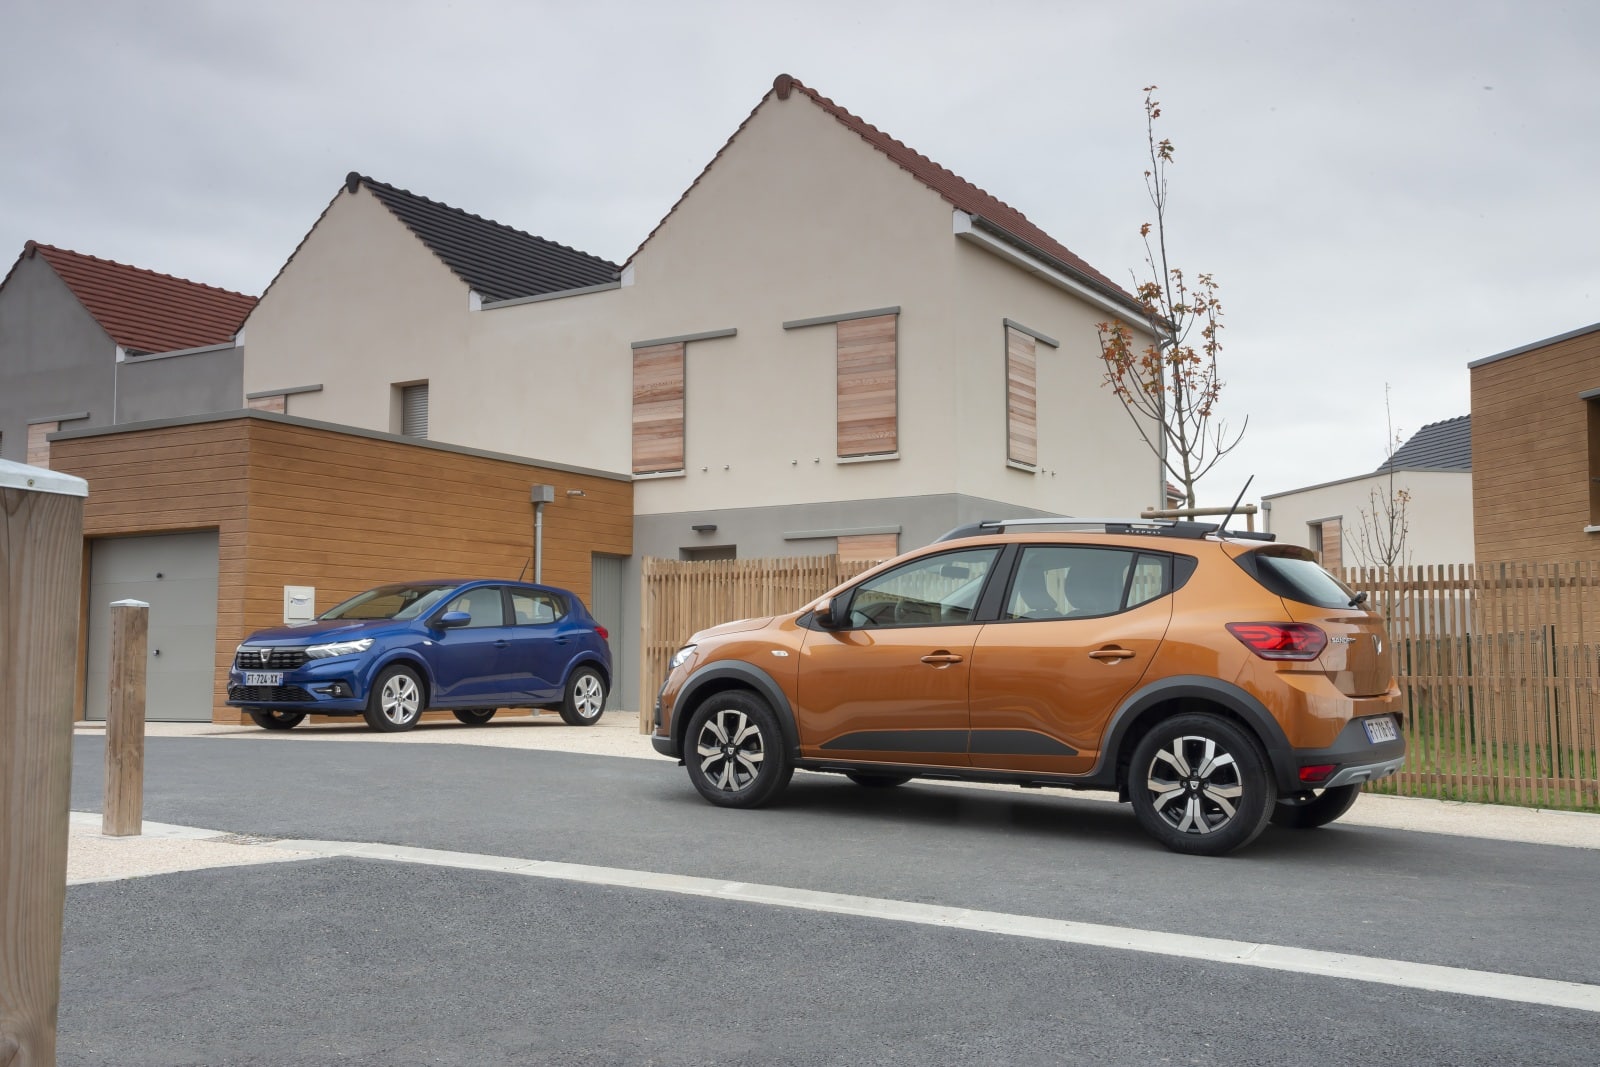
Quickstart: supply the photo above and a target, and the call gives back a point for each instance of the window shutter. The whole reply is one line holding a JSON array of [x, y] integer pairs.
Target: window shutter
[[658, 409], [273, 403], [414, 410], [867, 386], [38, 446], [1022, 398], [855, 547], [1332, 544]]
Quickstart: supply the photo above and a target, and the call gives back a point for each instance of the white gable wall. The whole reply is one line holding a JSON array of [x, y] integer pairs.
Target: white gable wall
[[1438, 515]]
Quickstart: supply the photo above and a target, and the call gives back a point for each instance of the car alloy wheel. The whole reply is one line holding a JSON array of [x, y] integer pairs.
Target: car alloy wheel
[[736, 755], [1194, 785], [1199, 784], [396, 701], [585, 698]]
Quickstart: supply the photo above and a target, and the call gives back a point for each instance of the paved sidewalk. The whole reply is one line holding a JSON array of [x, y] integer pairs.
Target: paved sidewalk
[[163, 849]]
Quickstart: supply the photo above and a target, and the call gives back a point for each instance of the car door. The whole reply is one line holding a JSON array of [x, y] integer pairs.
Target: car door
[[540, 645], [891, 684], [468, 662], [1078, 629]]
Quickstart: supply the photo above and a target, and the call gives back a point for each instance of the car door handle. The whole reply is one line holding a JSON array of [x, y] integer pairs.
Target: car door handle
[[1108, 654], [500, 644], [941, 659]]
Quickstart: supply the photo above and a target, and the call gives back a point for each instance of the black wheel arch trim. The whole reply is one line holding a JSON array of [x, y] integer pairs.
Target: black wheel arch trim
[[1280, 755], [747, 677]]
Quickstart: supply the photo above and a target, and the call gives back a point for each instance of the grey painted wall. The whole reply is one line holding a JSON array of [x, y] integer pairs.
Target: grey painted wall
[[169, 387], [54, 358]]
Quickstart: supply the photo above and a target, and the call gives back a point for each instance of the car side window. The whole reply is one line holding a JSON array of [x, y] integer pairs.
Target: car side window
[[536, 609], [931, 591], [483, 604], [1074, 582]]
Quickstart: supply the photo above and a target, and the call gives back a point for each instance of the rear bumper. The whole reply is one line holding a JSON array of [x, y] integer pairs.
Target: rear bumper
[[1355, 758]]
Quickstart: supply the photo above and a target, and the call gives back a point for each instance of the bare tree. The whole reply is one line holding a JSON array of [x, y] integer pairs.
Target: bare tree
[[1381, 541], [1170, 387]]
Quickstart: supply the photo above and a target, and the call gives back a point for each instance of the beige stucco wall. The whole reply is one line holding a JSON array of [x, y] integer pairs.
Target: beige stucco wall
[[1438, 515], [362, 305]]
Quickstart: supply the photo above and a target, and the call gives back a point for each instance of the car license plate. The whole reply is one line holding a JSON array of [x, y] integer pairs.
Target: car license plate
[[276, 678], [1380, 730]]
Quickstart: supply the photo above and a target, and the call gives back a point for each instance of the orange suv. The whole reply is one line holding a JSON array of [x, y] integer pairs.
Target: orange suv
[[1213, 679]]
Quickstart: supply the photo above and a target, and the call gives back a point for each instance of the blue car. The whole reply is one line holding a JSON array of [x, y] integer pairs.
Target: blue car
[[393, 652]]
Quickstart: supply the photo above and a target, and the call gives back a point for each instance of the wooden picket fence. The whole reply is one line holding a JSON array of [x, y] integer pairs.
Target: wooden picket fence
[[1500, 664]]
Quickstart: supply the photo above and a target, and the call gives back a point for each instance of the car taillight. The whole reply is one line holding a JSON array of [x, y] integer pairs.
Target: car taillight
[[1316, 773], [605, 635], [1280, 640]]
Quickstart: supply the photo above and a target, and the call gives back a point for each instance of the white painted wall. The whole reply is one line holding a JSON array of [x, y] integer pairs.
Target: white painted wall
[[1439, 514]]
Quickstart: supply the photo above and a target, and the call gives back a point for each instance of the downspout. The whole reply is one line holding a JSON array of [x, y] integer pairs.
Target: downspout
[[541, 495]]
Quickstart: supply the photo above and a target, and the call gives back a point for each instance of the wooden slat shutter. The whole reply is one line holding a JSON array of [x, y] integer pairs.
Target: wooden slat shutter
[[658, 409], [414, 410], [868, 546], [1332, 544], [868, 391], [38, 447], [1022, 398]]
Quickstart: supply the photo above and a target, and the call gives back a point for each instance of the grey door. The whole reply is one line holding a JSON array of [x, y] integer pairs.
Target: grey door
[[176, 574], [606, 607]]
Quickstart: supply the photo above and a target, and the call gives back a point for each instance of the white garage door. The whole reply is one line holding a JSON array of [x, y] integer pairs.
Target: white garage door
[[176, 574]]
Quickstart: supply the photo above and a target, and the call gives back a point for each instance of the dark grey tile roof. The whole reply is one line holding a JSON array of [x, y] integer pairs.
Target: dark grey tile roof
[[1443, 445], [498, 262]]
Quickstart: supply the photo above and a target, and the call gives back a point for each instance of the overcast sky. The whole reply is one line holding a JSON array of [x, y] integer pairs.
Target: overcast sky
[[1385, 191]]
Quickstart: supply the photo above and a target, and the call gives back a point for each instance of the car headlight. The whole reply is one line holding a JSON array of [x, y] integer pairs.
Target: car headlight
[[679, 656], [338, 648]]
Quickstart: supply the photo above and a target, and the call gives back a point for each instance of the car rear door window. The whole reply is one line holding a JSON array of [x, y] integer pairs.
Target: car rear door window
[[536, 609], [1075, 582]]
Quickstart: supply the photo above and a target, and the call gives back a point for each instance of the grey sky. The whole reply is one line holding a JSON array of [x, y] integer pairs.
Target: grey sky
[[1384, 191]]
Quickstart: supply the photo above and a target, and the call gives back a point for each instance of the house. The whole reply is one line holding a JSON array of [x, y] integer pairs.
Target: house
[[1536, 435], [85, 342], [1348, 522], [828, 343]]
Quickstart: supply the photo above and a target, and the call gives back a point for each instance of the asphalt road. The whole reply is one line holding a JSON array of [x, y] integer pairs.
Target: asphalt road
[[356, 962]]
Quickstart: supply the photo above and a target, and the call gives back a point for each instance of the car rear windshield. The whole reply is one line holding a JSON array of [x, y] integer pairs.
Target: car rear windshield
[[1294, 574]]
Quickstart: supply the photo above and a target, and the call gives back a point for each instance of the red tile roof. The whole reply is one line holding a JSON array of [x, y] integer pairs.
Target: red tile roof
[[144, 311], [956, 190]]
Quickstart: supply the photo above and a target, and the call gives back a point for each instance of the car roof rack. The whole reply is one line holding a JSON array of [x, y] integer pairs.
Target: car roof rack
[[1192, 531]]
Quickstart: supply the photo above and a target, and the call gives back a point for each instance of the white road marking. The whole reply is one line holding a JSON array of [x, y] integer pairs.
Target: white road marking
[[1487, 984]]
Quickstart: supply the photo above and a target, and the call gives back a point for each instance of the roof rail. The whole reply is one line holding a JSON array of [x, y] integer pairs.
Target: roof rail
[[1192, 531]]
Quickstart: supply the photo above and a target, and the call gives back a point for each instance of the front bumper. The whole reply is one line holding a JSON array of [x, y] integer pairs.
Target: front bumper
[[666, 746], [321, 687]]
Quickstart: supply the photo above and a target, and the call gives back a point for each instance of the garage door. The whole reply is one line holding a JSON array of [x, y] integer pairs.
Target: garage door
[[176, 574]]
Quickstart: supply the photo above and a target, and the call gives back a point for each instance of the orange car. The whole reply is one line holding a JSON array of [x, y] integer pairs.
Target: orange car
[[1217, 681]]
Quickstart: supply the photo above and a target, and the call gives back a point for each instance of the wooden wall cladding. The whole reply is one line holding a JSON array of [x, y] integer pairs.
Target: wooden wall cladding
[[297, 504], [1531, 454], [658, 389], [868, 392], [1022, 398]]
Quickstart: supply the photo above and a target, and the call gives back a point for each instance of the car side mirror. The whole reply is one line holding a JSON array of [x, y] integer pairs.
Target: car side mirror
[[452, 619], [827, 614]]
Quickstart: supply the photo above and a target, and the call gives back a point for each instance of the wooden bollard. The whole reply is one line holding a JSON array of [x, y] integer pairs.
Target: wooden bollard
[[124, 800], [41, 575]]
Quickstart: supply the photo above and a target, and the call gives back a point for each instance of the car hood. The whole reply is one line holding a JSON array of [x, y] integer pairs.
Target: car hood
[[308, 633], [737, 627]]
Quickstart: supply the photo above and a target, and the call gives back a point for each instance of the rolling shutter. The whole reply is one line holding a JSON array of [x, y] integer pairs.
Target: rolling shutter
[[867, 386], [658, 409], [414, 410]]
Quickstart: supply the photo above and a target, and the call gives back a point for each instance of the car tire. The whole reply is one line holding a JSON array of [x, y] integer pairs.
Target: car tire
[[877, 781], [1320, 811], [396, 701], [1199, 785], [585, 699], [475, 716], [268, 719], [735, 751]]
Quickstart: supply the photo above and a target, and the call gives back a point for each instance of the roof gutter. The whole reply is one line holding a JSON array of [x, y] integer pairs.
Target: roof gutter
[[975, 229]]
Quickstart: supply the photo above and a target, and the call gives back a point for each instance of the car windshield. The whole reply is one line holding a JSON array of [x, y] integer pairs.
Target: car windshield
[[390, 602]]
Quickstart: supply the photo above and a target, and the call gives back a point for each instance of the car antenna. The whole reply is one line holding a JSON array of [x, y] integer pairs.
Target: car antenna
[[524, 569], [1223, 529]]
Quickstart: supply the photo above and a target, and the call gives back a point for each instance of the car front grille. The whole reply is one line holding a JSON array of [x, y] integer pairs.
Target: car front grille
[[249, 658], [269, 694]]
